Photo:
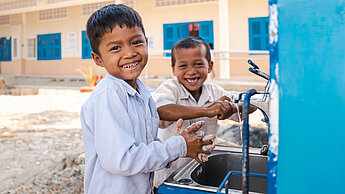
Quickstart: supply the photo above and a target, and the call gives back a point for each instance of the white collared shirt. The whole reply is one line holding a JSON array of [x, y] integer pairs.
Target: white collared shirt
[[173, 92], [119, 130]]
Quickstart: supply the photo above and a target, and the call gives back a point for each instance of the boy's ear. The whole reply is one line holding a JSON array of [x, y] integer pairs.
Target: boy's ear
[[147, 42], [210, 66], [173, 70], [97, 59]]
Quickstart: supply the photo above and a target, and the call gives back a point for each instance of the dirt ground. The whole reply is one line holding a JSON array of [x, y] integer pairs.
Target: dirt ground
[[41, 142]]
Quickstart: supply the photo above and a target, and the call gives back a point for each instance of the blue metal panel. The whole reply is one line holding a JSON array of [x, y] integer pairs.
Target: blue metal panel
[[165, 189], [86, 47], [273, 136], [312, 101]]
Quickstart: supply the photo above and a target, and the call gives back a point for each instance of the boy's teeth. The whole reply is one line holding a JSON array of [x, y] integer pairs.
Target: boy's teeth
[[192, 80], [130, 66]]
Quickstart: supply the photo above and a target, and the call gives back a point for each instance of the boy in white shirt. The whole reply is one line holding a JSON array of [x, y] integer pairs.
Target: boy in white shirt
[[187, 96], [120, 120]]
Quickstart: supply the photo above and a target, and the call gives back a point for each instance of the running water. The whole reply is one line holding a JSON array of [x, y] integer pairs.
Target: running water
[[239, 120]]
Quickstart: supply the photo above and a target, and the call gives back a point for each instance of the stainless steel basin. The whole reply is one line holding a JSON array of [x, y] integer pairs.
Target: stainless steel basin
[[209, 175], [212, 172]]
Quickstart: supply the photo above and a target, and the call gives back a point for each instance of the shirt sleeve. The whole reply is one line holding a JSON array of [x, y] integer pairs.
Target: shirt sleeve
[[219, 92], [115, 144], [165, 94]]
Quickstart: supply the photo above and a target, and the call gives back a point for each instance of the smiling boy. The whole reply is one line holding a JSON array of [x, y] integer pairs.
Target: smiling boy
[[187, 96], [120, 120]]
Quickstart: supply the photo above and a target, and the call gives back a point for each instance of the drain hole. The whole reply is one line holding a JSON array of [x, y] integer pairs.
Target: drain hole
[[185, 181]]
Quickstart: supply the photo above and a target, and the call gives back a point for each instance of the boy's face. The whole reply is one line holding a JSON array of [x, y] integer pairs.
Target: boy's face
[[123, 53], [191, 68]]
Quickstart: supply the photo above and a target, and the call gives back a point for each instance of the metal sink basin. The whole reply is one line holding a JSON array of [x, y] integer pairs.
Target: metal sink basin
[[209, 175], [212, 172]]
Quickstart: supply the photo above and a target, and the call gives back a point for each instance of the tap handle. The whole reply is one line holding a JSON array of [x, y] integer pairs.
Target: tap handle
[[253, 64]]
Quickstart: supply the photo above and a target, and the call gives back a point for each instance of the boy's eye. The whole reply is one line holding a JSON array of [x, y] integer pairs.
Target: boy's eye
[[115, 48], [137, 42], [182, 66], [199, 64]]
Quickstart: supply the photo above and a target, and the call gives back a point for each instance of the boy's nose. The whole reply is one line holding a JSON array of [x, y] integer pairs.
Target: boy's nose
[[191, 71], [129, 52]]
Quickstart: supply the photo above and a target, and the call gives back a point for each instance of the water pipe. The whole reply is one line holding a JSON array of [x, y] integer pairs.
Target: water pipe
[[245, 137], [227, 179], [255, 69]]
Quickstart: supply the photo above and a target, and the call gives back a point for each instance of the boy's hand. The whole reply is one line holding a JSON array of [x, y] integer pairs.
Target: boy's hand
[[194, 142], [252, 108], [222, 108]]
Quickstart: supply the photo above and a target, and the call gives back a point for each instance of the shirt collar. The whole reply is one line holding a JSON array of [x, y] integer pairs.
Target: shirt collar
[[143, 90], [205, 96]]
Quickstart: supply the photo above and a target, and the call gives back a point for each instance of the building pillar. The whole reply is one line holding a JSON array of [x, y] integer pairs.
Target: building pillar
[[23, 45], [223, 15]]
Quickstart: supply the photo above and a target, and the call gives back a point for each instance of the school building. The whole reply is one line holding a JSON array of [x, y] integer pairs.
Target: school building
[[47, 37]]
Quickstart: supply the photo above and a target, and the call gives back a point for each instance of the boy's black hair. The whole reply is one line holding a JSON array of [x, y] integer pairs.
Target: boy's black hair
[[190, 42], [106, 18]]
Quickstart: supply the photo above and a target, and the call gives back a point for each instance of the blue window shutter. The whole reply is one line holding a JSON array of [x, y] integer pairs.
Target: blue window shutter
[[86, 47], [57, 46], [258, 33], [169, 32], [206, 31], [9, 49], [184, 31], [174, 32], [49, 46], [5, 49], [1, 49]]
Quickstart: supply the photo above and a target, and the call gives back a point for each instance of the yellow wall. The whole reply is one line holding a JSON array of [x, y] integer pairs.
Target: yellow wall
[[154, 18], [239, 12], [28, 26]]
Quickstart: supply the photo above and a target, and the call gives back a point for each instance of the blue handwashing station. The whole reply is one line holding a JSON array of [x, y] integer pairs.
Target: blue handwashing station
[[303, 104]]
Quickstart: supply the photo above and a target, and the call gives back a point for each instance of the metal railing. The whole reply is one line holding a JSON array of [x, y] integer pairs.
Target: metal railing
[[237, 59]]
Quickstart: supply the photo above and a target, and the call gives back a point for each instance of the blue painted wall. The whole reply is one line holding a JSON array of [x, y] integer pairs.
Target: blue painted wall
[[311, 79]]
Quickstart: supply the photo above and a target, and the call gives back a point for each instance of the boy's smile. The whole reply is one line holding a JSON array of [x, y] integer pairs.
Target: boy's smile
[[191, 68], [123, 53]]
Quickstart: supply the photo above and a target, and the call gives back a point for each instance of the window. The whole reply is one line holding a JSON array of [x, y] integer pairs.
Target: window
[[49, 46], [174, 32], [165, 3], [4, 20], [15, 48], [5, 49], [88, 9], [51, 14], [17, 4], [85, 46], [32, 48], [258, 33]]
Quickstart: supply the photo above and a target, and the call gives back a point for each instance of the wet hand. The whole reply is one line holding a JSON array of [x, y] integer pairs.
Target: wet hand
[[193, 140], [222, 108]]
